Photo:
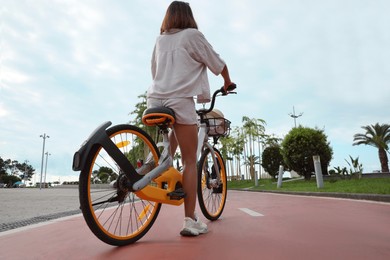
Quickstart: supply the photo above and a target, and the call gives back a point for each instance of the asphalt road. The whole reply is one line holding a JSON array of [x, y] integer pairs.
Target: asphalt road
[[25, 206]]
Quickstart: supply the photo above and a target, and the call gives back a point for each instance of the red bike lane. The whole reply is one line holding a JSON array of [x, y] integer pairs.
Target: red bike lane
[[253, 226]]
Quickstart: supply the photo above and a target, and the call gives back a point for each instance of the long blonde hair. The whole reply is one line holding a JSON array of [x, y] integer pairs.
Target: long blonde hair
[[179, 16]]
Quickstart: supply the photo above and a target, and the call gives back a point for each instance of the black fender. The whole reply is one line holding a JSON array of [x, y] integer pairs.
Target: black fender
[[99, 136]]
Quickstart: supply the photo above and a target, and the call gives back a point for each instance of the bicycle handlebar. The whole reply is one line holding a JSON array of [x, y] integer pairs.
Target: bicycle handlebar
[[228, 91]]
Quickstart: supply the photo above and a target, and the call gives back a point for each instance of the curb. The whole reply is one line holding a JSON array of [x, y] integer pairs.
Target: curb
[[22, 223]]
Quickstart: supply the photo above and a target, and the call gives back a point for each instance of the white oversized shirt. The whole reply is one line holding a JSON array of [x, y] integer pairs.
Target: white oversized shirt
[[179, 65]]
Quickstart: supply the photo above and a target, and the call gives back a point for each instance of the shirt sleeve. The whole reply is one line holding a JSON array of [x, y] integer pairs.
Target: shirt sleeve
[[153, 63], [202, 51]]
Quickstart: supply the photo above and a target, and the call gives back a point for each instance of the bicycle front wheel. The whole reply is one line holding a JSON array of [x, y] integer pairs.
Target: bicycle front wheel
[[211, 192], [113, 213]]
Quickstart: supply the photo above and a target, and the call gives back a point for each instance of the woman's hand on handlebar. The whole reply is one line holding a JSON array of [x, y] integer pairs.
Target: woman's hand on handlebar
[[224, 90], [228, 88], [228, 84]]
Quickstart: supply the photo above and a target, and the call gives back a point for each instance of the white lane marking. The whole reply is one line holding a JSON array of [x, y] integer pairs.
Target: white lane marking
[[251, 212]]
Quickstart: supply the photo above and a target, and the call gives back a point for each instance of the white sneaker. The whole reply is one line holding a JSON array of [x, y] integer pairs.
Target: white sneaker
[[192, 227]]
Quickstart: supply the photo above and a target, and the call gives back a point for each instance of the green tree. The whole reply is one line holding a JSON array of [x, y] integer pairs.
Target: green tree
[[3, 170], [251, 161], [377, 136], [272, 158], [227, 145], [237, 148], [103, 177], [252, 129], [26, 170], [9, 179], [138, 151], [13, 167], [7, 166], [227, 152], [138, 112], [300, 145]]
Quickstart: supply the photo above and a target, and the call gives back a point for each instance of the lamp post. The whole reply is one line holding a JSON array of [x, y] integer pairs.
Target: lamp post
[[47, 157], [44, 136], [293, 115]]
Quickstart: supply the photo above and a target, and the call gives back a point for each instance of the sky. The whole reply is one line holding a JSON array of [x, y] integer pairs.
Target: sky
[[66, 66]]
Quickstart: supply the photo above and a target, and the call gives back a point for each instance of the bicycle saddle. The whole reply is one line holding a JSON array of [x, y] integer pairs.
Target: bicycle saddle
[[158, 116]]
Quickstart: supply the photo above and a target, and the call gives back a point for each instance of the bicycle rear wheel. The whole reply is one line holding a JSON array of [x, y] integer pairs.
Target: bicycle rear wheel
[[114, 214], [211, 195]]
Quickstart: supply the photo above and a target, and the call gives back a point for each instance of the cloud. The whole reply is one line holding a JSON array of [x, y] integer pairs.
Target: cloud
[[11, 76], [3, 111], [67, 66]]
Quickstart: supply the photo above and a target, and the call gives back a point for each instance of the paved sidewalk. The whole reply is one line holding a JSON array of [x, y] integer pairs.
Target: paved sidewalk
[[26, 206]]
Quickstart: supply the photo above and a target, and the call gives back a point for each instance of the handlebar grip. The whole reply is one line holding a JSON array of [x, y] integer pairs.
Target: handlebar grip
[[231, 87]]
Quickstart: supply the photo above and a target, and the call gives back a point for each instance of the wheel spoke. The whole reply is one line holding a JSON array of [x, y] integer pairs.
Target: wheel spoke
[[114, 214], [212, 198]]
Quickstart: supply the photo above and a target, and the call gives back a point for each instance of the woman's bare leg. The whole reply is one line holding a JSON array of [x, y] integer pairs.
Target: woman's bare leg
[[187, 138]]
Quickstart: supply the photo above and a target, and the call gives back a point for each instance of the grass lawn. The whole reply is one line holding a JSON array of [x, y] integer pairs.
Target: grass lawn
[[364, 185]]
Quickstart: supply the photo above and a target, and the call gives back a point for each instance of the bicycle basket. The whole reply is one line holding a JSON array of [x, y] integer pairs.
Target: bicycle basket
[[218, 126]]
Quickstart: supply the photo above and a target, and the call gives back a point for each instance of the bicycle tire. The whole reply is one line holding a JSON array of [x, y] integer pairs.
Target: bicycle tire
[[122, 222], [211, 199]]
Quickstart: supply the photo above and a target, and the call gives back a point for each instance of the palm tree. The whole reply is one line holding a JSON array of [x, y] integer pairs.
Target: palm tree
[[251, 161], [232, 148], [252, 128], [378, 136], [226, 151], [237, 149]]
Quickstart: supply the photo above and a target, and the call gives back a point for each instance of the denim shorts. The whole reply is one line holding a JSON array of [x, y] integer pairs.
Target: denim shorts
[[184, 108]]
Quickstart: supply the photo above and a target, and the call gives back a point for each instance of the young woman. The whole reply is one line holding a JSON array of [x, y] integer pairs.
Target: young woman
[[180, 60]]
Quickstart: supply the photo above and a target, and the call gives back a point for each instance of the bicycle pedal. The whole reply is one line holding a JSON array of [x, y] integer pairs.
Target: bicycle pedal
[[177, 194]]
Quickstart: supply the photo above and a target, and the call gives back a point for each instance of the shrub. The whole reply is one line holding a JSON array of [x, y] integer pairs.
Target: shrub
[[272, 158], [300, 145]]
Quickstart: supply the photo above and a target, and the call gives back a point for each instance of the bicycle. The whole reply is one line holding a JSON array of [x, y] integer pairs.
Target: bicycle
[[125, 211]]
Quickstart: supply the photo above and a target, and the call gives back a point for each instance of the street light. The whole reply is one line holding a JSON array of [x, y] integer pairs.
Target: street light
[[44, 136], [47, 157], [293, 115]]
